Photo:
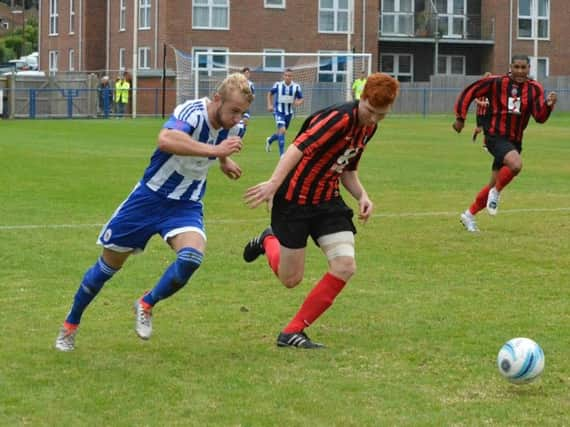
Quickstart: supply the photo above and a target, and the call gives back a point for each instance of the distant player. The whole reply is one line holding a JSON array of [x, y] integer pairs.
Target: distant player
[[281, 100], [513, 99], [358, 86], [246, 72], [168, 201], [306, 201]]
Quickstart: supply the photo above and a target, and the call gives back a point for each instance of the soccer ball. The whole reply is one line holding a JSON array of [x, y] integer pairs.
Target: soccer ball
[[520, 360]]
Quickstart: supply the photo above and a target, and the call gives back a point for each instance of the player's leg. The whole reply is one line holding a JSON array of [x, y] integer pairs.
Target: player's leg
[[269, 140], [508, 165], [334, 232], [184, 231], [284, 125]]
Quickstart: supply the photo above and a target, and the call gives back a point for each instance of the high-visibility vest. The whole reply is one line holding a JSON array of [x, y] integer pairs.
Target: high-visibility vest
[[122, 91]]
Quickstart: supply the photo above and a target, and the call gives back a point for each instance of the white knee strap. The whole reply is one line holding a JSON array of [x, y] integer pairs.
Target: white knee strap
[[337, 244]]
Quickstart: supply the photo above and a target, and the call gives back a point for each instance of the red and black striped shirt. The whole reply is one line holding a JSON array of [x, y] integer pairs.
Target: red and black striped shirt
[[510, 105], [331, 141]]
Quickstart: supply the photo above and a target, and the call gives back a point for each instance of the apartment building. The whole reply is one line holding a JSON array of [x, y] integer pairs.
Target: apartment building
[[410, 39]]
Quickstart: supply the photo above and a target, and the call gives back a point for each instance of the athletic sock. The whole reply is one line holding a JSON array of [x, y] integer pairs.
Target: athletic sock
[[480, 200], [317, 302], [504, 176], [281, 141], [175, 277], [92, 282], [272, 138], [272, 252]]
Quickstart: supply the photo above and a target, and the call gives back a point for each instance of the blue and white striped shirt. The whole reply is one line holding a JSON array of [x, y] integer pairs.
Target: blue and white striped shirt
[[184, 177], [284, 95]]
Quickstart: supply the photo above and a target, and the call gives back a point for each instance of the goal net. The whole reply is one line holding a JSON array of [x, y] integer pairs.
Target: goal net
[[325, 78]]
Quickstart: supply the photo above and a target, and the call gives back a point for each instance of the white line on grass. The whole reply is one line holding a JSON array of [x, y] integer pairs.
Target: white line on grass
[[236, 221]]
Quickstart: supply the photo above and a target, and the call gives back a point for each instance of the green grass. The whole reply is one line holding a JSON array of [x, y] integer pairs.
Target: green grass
[[412, 340]]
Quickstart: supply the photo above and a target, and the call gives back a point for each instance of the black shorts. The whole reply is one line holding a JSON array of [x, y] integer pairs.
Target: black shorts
[[499, 146], [292, 224], [481, 120]]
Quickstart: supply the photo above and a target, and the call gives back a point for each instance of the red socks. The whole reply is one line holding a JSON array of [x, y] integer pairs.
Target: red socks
[[480, 201], [316, 303], [503, 178], [271, 246]]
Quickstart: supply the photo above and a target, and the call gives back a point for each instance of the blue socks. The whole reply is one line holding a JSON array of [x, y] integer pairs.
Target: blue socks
[[281, 140], [176, 275], [92, 282]]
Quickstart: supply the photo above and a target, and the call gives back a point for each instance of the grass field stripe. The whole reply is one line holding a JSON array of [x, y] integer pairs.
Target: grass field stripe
[[236, 221]]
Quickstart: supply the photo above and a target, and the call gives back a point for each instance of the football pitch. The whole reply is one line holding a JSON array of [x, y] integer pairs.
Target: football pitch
[[412, 340]]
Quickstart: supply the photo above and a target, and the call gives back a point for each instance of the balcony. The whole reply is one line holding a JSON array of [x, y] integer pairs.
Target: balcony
[[421, 27]]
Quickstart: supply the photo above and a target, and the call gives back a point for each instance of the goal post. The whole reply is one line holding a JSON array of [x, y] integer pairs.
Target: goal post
[[325, 78]]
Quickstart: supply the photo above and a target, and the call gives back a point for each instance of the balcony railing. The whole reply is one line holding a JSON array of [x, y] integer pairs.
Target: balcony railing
[[423, 25]]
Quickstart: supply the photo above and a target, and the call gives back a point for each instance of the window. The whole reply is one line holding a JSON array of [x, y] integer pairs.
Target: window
[[144, 58], [277, 4], [539, 67], [332, 67], [122, 59], [399, 66], [53, 18], [71, 16], [211, 14], [53, 56], [451, 64], [144, 14], [71, 60], [397, 17], [452, 18], [273, 60], [210, 60], [534, 19], [334, 16], [122, 15]]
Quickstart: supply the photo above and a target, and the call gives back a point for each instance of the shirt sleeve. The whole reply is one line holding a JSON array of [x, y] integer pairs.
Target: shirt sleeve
[[477, 89]]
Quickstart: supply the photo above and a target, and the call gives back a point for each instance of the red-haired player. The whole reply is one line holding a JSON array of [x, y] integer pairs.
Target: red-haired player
[[304, 191]]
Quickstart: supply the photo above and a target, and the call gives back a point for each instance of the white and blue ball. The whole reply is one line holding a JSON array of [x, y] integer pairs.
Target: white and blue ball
[[520, 360]]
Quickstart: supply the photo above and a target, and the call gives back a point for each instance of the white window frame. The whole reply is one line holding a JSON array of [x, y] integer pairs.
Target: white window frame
[[335, 70], [276, 4], [534, 19], [396, 73], [144, 14], [534, 65], [122, 56], [71, 16], [53, 59], [211, 5], [278, 53], [144, 58], [53, 17], [123, 15], [448, 64], [400, 17], [210, 67], [337, 13], [450, 16], [71, 60]]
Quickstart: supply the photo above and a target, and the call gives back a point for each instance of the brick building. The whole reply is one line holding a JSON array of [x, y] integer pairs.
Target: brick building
[[470, 37]]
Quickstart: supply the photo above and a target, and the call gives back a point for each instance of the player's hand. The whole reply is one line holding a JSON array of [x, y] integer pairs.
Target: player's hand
[[262, 192], [229, 146], [270, 108], [551, 99], [230, 168], [365, 208], [458, 125]]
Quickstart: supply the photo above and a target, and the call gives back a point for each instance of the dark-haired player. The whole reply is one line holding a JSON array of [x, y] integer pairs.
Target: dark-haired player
[[513, 99], [305, 192]]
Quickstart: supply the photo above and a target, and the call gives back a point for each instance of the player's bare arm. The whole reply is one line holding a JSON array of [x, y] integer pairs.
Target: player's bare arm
[[269, 101], [180, 143], [352, 183], [264, 191]]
